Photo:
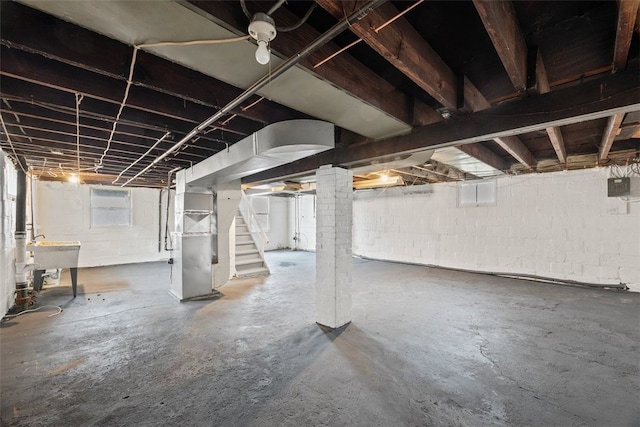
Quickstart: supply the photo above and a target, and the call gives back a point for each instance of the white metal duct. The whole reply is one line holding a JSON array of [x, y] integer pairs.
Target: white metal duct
[[274, 145]]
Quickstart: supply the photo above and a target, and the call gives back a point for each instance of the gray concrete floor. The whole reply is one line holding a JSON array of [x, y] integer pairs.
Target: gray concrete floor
[[426, 347]]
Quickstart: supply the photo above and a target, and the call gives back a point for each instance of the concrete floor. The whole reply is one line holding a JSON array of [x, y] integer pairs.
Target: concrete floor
[[426, 347]]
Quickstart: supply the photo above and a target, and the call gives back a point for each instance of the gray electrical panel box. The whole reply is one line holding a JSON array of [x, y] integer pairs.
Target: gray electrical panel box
[[618, 187]]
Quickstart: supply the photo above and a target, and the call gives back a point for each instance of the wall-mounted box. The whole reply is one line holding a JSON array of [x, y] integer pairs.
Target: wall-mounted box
[[618, 187]]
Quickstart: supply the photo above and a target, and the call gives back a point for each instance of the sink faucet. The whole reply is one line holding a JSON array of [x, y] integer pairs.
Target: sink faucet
[[39, 235]]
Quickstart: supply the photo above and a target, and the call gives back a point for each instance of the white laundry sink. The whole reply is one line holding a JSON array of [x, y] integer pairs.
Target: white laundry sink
[[49, 254]]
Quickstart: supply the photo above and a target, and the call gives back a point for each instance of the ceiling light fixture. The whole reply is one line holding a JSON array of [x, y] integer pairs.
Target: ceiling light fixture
[[74, 179], [263, 29]]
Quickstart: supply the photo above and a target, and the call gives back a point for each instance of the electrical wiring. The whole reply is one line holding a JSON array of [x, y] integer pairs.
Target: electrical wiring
[[193, 42], [300, 22], [165, 136], [4, 129], [122, 104], [9, 316], [79, 98], [134, 57]]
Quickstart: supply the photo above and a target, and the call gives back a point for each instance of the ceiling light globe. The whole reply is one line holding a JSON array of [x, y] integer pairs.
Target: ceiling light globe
[[262, 53]]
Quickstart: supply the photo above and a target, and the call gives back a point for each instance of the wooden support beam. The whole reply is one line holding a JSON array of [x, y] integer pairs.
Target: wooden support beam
[[514, 146], [554, 133], [610, 132], [557, 140], [400, 44], [615, 94], [627, 14], [500, 20], [482, 153]]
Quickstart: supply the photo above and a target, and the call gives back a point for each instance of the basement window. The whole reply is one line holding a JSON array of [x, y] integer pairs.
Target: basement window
[[482, 193], [110, 208]]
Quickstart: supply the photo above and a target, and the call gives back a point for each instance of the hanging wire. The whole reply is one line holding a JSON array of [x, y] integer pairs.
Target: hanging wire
[[300, 22], [79, 98], [132, 67], [122, 104], [4, 129]]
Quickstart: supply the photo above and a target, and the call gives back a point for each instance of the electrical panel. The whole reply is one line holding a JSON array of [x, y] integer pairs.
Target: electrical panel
[[618, 187]]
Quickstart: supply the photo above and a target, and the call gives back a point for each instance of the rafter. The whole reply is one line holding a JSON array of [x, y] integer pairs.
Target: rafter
[[627, 13], [400, 44], [610, 133], [499, 19], [482, 153], [501, 23]]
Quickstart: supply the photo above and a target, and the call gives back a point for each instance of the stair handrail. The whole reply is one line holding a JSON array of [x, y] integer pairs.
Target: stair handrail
[[252, 218]]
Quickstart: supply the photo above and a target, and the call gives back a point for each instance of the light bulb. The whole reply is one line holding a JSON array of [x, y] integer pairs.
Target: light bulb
[[262, 53], [74, 179]]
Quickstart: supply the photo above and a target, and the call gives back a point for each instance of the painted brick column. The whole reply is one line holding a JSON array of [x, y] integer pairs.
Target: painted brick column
[[333, 246]]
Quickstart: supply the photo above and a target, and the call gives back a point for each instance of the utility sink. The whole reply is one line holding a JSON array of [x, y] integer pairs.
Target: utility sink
[[50, 254]]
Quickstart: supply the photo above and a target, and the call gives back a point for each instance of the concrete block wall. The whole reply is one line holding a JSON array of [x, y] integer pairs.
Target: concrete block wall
[[64, 213], [282, 222], [307, 222], [559, 225], [333, 246]]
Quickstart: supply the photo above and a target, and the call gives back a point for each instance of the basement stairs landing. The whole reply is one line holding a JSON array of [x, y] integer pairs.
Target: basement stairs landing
[[249, 261]]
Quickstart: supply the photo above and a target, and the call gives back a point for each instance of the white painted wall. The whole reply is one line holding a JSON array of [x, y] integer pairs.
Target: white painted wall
[[307, 222], [559, 225], [64, 213], [7, 238], [282, 223]]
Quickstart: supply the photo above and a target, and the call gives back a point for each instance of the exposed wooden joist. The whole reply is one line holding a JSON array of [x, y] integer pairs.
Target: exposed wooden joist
[[614, 94], [132, 123], [65, 101], [627, 13], [79, 47], [499, 19], [49, 73], [485, 155], [557, 140], [514, 146], [610, 132], [400, 44], [554, 133], [344, 71]]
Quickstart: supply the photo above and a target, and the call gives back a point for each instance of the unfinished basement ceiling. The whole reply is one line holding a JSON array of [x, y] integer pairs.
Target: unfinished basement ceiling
[[495, 87]]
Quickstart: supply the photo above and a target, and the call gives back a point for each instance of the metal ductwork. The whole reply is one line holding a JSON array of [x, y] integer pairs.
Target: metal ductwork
[[274, 145]]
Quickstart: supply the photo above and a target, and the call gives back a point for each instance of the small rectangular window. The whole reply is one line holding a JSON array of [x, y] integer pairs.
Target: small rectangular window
[[110, 208], [482, 193]]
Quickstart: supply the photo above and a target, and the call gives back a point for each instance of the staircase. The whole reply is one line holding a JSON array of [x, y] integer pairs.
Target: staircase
[[249, 262]]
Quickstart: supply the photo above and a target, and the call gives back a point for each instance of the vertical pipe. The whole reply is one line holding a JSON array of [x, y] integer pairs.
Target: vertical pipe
[[22, 280], [160, 220]]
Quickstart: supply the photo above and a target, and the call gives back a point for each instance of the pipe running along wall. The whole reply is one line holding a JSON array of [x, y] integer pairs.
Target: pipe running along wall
[[264, 81], [22, 279]]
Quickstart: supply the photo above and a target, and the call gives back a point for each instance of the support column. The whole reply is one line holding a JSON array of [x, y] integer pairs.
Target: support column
[[334, 195]]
